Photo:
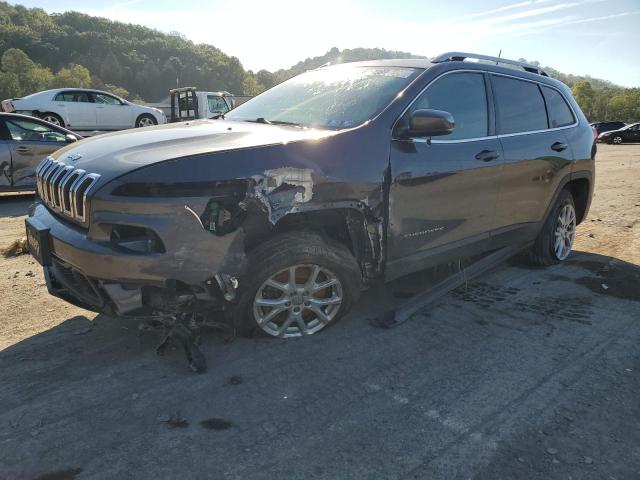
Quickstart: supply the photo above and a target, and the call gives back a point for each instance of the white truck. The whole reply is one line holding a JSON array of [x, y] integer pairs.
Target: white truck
[[187, 103]]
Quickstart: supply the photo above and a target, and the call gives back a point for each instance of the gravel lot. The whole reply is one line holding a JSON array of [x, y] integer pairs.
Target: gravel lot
[[526, 373]]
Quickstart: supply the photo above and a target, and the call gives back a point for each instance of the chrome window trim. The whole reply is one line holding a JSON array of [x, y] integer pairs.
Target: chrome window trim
[[489, 137]]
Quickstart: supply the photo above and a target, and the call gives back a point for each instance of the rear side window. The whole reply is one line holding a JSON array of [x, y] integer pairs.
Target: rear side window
[[519, 106], [72, 97], [464, 96], [560, 114]]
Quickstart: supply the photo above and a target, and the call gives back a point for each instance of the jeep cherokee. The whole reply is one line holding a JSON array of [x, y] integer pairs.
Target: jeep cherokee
[[282, 210]]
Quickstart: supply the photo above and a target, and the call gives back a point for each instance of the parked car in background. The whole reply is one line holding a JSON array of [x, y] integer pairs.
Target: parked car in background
[[279, 212], [602, 127], [630, 133], [83, 110], [24, 142]]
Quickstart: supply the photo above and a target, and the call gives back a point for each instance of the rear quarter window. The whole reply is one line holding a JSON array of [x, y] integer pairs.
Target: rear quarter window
[[560, 115], [519, 105]]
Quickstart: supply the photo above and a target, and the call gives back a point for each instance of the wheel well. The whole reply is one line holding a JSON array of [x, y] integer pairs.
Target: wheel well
[[145, 114], [579, 189], [348, 226]]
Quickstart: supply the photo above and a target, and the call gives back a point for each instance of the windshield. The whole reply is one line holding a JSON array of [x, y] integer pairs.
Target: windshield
[[330, 98]]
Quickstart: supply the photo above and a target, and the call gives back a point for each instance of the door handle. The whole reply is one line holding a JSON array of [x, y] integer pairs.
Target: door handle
[[487, 155], [559, 146], [23, 149]]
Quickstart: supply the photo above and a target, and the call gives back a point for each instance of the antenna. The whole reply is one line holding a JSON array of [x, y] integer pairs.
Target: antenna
[[499, 55]]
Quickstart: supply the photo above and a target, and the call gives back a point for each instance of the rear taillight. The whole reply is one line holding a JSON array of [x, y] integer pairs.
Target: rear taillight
[[595, 133]]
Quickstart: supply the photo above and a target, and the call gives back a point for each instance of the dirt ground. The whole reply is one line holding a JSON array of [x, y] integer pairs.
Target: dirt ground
[[526, 373]]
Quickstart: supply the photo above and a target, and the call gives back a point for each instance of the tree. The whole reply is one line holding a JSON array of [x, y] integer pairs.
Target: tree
[[584, 95], [267, 79], [72, 76], [250, 86], [21, 75], [9, 85], [118, 91]]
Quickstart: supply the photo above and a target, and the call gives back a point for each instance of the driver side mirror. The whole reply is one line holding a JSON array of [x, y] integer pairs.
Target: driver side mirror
[[430, 123], [70, 138]]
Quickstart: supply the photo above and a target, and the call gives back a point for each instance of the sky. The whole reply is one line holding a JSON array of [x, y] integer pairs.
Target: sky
[[600, 38]]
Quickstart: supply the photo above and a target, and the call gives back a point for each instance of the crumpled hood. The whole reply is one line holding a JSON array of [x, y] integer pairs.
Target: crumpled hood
[[114, 154]]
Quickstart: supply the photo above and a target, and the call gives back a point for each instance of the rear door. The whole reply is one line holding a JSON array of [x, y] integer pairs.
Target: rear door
[[111, 113], [531, 120], [444, 190], [81, 111], [29, 142]]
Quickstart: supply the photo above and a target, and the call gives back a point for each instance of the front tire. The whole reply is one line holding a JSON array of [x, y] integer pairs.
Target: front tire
[[146, 120], [297, 284], [52, 118], [555, 241]]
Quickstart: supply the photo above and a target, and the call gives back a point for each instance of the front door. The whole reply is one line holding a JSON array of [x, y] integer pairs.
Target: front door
[[111, 113], [29, 142], [443, 190]]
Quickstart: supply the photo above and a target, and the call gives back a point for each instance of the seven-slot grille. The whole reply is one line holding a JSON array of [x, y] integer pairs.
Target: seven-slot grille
[[64, 188]]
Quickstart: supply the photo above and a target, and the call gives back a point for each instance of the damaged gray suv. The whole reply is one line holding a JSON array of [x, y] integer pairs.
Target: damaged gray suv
[[281, 211]]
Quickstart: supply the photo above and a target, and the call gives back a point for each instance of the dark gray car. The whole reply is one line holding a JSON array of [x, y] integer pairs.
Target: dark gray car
[[280, 212], [24, 142]]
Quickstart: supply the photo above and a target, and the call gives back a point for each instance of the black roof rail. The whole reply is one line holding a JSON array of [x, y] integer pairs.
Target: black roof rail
[[461, 56]]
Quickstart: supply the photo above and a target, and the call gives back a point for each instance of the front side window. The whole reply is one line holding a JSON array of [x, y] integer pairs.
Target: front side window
[[519, 105], [337, 97], [217, 104], [28, 131], [464, 96], [560, 114], [106, 99]]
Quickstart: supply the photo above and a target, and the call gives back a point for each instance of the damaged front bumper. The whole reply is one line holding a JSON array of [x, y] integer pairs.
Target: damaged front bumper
[[89, 269]]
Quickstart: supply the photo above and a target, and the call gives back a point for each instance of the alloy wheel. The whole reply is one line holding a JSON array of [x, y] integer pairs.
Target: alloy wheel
[[300, 300], [617, 140], [565, 232], [145, 122], [52, 119]]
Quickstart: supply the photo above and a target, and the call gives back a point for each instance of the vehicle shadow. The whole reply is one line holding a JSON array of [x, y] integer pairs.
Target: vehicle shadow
[[15, 205], [90, 386]]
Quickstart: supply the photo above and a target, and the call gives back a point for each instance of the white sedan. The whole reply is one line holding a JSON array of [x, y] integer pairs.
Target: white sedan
[[83, 110]]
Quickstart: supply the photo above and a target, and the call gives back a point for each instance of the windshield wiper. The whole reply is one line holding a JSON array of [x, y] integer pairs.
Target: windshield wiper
[[274, 122], [219, 115]]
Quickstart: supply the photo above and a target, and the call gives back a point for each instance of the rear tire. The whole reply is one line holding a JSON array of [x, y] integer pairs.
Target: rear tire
[[146, 120], [555, 241], [617, 140], [326, 281], [52, 118]]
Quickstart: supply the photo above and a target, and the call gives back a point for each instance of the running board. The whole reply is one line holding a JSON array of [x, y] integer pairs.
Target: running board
[[414, 304]]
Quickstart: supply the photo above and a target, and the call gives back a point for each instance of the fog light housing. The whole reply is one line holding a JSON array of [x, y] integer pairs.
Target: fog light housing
[[138, 240]]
